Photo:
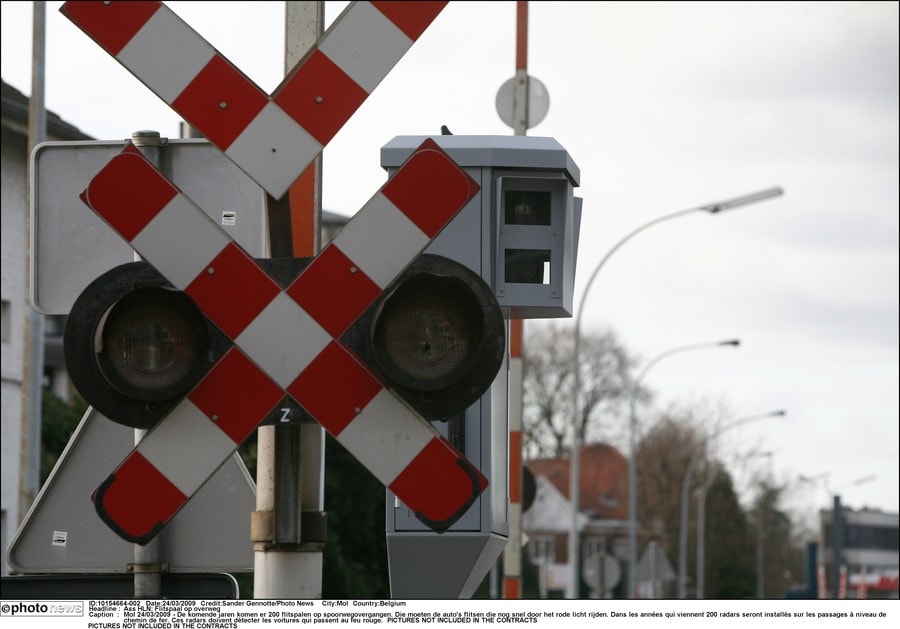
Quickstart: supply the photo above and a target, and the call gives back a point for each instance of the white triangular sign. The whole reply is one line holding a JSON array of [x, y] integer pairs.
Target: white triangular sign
[[62, 532]]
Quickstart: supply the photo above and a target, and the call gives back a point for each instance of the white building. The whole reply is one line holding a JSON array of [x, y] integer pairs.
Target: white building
[[869, 551], [16, 497], [602, 521]]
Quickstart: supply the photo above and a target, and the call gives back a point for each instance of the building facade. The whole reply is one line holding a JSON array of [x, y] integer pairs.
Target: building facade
[[14, 496], [867, 544], [602, 521]]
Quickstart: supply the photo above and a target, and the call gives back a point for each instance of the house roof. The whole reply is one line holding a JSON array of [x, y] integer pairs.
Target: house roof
[[550, 512], [603, 489], [14, 107]]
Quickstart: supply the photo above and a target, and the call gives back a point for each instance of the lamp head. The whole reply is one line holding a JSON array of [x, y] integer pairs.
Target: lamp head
[[715, 208]]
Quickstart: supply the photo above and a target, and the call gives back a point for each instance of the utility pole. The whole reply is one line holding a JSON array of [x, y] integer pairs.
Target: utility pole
[[33, 367], [512, 554]]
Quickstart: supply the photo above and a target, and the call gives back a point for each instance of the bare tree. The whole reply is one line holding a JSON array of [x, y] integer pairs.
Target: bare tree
[[663, 456], [548, 400]]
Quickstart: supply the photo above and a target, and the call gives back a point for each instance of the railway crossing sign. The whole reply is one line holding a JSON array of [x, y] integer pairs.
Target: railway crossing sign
[[285, 342], [71, 246], [273, 138], [285, 337]]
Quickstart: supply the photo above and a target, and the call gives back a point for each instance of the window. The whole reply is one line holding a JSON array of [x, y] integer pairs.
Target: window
[[540, 550], [6, 324]]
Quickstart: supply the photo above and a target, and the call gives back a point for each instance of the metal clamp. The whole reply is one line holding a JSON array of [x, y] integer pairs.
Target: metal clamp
[[146, 568]]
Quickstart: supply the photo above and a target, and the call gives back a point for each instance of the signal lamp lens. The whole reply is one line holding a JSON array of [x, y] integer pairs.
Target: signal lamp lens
[[134, 345], [427, 333], [436, 337], [152, 347]]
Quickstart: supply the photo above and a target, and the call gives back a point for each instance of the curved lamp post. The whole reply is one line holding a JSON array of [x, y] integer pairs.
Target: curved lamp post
[[575, 469], [685, 490], [632, 459]]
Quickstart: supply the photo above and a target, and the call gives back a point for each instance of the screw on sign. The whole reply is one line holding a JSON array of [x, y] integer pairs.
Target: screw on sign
[[284, 342], [273, 138]]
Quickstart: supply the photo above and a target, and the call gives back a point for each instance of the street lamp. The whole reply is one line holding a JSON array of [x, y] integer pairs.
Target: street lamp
[[685, 490], [632, 459], [575, 470], [814, 479]]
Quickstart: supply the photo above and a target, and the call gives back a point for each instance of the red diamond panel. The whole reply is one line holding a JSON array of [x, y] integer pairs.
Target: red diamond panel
[[233, 273], [320, 97], [410, 17], [416, 483], [220, 102], [333, 291], [334, 387], [110, 24], [237, 393], [111, 193], [139, 494], [430, 188]]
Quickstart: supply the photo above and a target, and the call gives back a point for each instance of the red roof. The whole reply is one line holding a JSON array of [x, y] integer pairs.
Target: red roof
[[604, 480]]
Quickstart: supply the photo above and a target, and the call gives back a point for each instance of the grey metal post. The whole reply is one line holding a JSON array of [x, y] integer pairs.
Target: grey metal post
[[147, 568], [33, 367], [701, 533], [682, 547], [291, 459], [837, 545], [760, 553], [683, 530]]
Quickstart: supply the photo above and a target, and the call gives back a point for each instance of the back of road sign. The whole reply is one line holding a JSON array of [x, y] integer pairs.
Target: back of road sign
[[62, 532], [71, 246]]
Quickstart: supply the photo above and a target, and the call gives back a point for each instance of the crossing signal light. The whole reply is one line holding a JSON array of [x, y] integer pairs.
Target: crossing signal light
[[135, 346], [436, 337]]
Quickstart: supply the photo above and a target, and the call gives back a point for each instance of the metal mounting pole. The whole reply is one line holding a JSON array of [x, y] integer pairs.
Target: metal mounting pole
[[288, 526], [147, 568], [512, 554], [33, 356]]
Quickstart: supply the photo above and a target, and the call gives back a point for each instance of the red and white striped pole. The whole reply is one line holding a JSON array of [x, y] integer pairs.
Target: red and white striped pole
[[512, 554]]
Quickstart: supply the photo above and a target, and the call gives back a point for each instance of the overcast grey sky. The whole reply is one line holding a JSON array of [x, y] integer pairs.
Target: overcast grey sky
[[663, 106]]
